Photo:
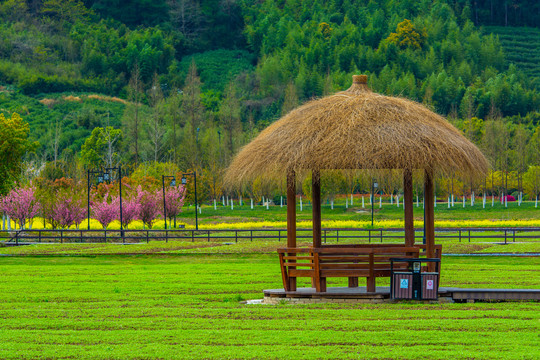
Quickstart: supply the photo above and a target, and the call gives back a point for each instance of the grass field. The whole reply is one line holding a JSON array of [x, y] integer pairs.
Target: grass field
[[260, 246], [161, 307]]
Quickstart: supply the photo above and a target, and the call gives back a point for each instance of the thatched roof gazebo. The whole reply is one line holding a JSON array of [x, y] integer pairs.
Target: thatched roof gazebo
[[357, 129]]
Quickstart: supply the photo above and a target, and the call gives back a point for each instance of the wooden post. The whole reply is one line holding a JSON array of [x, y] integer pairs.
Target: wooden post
[[291, 209], [429, 218], [316, 202], [408, 203], [291, 221]]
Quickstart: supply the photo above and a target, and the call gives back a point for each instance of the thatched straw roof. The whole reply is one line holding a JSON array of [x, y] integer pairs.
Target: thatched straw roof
[[357, 129]]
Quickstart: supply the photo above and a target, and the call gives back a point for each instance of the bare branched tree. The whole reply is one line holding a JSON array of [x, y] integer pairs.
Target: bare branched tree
[[186, 16]]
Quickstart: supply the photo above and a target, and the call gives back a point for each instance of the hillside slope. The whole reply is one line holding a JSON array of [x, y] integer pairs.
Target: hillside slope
[[522, 48]]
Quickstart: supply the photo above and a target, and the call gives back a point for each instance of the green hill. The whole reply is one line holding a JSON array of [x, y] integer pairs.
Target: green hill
[[65, 66], [522, 48]]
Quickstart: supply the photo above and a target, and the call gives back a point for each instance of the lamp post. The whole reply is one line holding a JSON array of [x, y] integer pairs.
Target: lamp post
[[197, 146], [184, 182], [173, 183], [374, 185], [99, 177], [107, 177]]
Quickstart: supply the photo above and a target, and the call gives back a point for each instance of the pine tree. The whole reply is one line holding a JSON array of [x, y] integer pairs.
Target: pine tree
[[132, 117], [193, 112], [229, 116]]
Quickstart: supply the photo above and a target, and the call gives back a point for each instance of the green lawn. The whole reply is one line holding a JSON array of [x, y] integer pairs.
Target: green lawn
[[186, 306], [228, 246]]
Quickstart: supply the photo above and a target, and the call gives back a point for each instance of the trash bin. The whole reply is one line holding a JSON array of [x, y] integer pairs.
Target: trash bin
[[414, 284]]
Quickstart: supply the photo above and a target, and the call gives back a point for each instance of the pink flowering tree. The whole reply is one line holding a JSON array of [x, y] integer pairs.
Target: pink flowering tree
[[79, 212], [20, 204], [149, 206], [68, 211], [106, 211], [131, 210], [174, 200]]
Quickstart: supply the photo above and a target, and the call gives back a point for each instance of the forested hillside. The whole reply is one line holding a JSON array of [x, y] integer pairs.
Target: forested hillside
[[521, 47], [189, 82]]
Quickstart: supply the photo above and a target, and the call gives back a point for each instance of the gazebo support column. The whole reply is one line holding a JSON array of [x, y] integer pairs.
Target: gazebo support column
[[316, 201], [429, 218], [291, 220], [408, 204], [320, 283]]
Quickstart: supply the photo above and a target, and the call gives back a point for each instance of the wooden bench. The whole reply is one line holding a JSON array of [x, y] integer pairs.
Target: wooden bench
[[351, 261]]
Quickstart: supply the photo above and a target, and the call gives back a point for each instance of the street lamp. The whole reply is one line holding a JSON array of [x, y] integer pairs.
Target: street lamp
[[99, 177], [173, 183], [374, 186], [184, 182], [107, 177]]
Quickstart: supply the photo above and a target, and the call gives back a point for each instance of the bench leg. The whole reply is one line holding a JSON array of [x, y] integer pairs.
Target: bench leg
[[353, 282], [292, 284], [323, 284], [371, 284]]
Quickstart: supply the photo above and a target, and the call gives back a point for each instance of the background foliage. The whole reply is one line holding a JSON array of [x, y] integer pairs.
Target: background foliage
[[189, 82]]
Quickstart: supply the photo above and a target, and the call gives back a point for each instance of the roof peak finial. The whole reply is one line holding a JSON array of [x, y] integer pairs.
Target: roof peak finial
[[359, 79]]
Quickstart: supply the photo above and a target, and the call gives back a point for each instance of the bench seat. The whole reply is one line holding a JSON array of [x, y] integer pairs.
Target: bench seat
[[351, 261]]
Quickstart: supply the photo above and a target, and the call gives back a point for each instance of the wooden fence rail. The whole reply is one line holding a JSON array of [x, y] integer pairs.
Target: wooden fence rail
[[329, 235]]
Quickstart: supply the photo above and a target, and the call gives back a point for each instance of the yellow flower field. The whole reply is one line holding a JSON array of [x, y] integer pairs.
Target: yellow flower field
[[341, 224]]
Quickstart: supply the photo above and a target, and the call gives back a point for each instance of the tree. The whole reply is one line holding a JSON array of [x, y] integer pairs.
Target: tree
[[106, 211], [20, 204], [213, 169], [519, 152], [174, 200], [531, 181], [65, 10], [101, 147], [14, 10], [68, 211], [186, 16], [192, 112], [155, 126], [57, 133], [489, 144], [533, 148], [13, 145], [173, 109], [150, 205], [407, 35], [502, 150], [290, 100], [132, 119], [131, 210], [229, 115]]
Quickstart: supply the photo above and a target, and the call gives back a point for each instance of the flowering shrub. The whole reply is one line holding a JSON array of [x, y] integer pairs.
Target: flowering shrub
[[20, 204], [105, 212], [68, 211], [174, 200], [150, 206], [131, 210]]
